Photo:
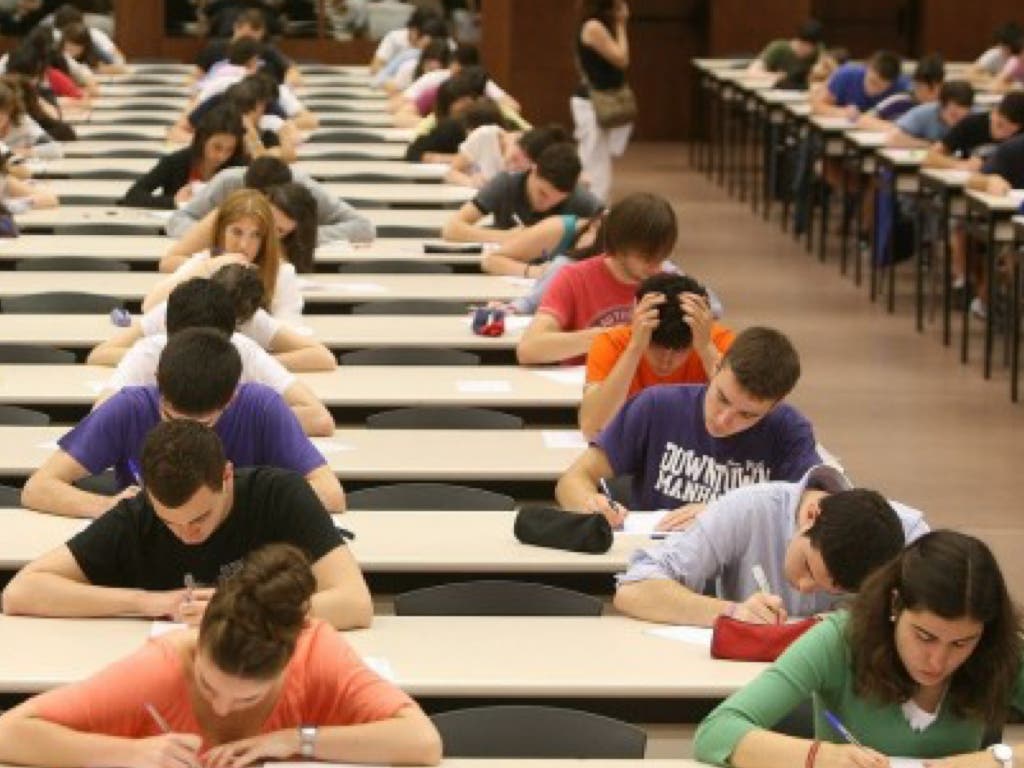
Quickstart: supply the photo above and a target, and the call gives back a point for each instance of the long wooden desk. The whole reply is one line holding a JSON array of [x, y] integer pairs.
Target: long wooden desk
[[348, 386], [316, 288], [386, 455], [336, 331], [385, 542], [156, 147], [320, 169], [72, 191], [466, 656]]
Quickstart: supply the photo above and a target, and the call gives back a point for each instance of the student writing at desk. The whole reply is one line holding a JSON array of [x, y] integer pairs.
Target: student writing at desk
[[196, 519], [261, 681], [815, 539], [925, 662]]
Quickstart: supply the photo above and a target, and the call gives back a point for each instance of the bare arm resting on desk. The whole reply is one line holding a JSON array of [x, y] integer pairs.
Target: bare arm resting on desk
[[544, 341], [50, 489], [327, 487], [462, 227]]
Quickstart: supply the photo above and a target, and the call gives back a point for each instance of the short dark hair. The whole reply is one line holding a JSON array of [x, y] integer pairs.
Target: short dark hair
[[436, 50], [672, 332], [1010, 35], [559, 165], [810, 31], [222, 118], [265, 172], [643, 223], [467, 55], [67, 14], [200, 303], [190, 352], [252, 17], [1012, 108], [460, 86], [244, 288], [886, 64], [243, 50], [764, 362], [434, 27], [246, 94], [178, 458], [420, 14], [536, 140], [957, 92], [930, 69], [483, 111], [856, 532]]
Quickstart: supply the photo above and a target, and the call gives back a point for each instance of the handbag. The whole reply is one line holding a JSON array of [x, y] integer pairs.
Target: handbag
[[745, 641], [558, 529], [614, 107]]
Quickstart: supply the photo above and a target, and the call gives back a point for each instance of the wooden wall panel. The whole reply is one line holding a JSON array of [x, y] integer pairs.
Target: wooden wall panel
[[741, 27], [943, 25], [864, 26]]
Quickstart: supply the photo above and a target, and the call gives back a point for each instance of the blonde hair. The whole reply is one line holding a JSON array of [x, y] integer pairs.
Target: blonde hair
[[250, 203]]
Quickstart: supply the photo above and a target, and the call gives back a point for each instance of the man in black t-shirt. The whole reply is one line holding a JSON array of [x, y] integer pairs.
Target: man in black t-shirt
[[194, 524], [523, 199]]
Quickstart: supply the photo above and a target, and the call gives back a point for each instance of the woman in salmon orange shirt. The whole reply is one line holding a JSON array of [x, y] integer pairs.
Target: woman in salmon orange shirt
[[261, 681]]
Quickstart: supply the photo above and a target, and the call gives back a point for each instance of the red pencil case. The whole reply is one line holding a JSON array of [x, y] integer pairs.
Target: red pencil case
[[745, 641]]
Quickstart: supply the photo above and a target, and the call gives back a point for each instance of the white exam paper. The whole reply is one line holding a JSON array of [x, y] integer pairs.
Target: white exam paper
[[643, 522], [483, 386], [575, 375], [693, 635], [563, 438]]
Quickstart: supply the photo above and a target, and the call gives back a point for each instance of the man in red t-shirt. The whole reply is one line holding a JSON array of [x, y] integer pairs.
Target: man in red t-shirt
[[589, 296], [672, 340]]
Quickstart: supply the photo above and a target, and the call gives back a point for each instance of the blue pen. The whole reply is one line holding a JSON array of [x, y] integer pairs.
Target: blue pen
[[841, 729]]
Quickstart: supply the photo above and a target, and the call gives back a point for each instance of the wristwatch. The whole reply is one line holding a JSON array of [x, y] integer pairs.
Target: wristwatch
[[307, 740], [1003, 754]]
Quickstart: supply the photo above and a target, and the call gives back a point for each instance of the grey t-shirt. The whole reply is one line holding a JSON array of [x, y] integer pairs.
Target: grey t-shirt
[[749, 526], [505, 198], [924, 122]]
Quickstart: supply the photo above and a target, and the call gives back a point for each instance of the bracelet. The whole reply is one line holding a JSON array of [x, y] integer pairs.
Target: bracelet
[[812, 753]]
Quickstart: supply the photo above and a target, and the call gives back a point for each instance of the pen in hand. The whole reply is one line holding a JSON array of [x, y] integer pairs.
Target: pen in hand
[[757, 571], [190, 585], [841, 729], [616, 507], [157, 718]]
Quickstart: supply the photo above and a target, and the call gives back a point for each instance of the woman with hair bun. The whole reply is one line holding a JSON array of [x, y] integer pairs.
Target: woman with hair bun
[[261, 681]]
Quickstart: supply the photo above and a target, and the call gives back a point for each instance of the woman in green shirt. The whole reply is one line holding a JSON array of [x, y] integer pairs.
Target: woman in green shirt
[[925, 662]]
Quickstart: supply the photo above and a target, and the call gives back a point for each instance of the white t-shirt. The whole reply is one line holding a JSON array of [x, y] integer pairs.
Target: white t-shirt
[[286, 303], [138, 367], [431, 81], [221, 76], [483, 147], [261, 327], [993, 60], [392, 44]]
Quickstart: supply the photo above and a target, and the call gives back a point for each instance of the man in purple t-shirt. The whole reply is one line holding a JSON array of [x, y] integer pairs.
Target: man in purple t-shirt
[[197, 378], [687, 445]]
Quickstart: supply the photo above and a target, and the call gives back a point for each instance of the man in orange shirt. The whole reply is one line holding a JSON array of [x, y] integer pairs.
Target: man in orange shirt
[[672, 340]]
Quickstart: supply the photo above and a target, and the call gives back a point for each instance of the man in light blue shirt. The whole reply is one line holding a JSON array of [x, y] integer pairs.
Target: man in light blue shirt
[[928, 123], [813, 540]]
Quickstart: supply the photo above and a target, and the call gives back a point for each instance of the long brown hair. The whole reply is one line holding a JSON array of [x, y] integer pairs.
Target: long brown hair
[[248, 202], [251, 625], [954, 576]]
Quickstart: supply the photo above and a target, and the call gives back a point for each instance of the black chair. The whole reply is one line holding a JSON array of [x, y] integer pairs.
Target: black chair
[[13, 416], [116, 135], [403, 230], [429, 497], [496, 598], [537, 732], [70, 264], [410, 307], [408, 356], [429, 417], [341, 136], [60, 303], [394, 267], [107, 173], [10, 496], [33, 354]]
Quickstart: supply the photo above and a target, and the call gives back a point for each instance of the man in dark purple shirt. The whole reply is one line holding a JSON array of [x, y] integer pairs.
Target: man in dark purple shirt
[[686, 445], [197, 379]]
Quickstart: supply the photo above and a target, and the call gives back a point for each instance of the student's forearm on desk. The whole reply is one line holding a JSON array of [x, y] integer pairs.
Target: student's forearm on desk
[[668, 602], [327, 487], [51, 494], [315, 357], [603, 399], [460, 231], [27, 740], [38, 593], [554, 346]]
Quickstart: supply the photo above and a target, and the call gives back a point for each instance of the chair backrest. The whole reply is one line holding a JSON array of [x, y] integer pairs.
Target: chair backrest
[[393, 267], [430, 417], [496, 598], [405, 230], [70, 264], [410, 307], [10, 496], [429, 496], [13, 416], [533, 731], [408, 356], [33, 354], [343, 136], [60, 303]]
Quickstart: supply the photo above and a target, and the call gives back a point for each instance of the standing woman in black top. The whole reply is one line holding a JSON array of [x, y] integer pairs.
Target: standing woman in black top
[[216, 144], [602, 49]]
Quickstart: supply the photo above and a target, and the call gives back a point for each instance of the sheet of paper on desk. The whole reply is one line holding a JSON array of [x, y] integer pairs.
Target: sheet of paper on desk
[[574, 375], [905, 762], [483, 386], [327, 445], [693, 635], [158, 628], [161, 215], [95, 386], [564, 438], [643, 522], [1017, 195], [50, 445], [523, 281], [382, 667]]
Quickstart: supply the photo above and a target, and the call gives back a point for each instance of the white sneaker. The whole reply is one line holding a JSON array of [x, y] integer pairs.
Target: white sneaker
[[978, 308]]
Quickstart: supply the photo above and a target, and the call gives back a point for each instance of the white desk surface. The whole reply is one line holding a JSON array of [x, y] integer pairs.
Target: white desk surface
[[336, 331], [159, 132], [384, 192], [467, 656], [998, 203], [309, 150], [320, 169], [444, 455], [146, 218], [381, 133], [149, 248], [386, 542], [952, 178], [318, 287], [166, 117], [353, 386], [482, 762]]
